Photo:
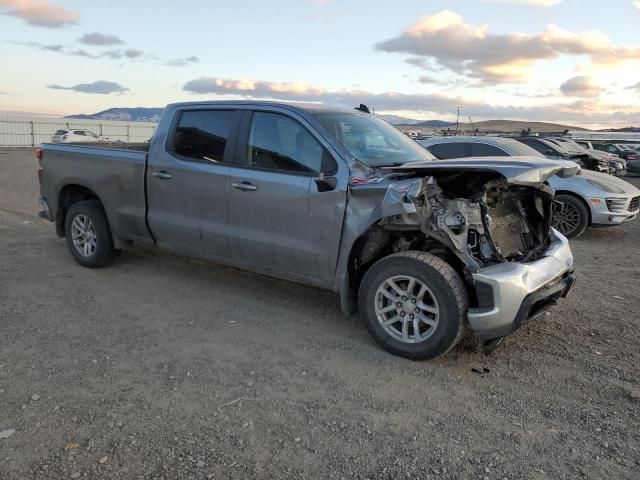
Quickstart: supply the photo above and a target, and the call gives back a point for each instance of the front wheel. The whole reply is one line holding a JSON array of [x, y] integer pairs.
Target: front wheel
[[88, 234], [414, 304], [572, 217]]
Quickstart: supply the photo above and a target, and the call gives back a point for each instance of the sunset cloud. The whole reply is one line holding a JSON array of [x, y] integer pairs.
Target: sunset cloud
[[181, 62], [577, 111], [100, 87], [39, 13], [581, 86], [100, 39], [119, 54], [303, 92], [474, 51]]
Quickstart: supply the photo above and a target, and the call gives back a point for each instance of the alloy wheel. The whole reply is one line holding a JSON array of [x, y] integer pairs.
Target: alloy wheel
[[83, 235], [406, 309]]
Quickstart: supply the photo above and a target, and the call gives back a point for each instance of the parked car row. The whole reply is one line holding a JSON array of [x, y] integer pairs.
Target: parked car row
[[564, 148], [591, 198], [631, 154]]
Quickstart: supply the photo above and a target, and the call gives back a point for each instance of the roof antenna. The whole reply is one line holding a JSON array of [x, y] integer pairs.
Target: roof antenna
[[363, 108]]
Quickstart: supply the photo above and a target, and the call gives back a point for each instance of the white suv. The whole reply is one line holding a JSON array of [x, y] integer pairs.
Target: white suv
[[74, 136]]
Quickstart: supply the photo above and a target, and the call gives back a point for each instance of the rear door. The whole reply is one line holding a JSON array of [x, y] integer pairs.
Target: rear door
[[286, 205], [187, 183]]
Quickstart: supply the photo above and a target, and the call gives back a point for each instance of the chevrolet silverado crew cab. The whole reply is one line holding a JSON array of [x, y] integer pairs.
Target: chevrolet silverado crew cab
[[339, 199]]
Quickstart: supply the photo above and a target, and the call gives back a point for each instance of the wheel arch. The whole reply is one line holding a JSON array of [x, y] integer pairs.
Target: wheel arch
[[578, 197], [375, 243], [68, 195]]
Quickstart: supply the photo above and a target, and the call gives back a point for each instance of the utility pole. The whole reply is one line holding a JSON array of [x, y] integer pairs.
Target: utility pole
[[458, 121], [471, 123]]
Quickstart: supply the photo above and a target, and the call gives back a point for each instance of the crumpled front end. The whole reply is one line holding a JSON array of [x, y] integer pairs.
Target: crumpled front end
[[484, 220], [499, 229], [499, 223]]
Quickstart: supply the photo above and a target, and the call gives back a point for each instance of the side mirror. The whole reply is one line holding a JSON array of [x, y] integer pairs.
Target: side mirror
[[326, 184]]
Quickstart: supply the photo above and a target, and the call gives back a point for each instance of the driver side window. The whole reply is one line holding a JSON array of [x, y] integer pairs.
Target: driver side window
[[277, 142]]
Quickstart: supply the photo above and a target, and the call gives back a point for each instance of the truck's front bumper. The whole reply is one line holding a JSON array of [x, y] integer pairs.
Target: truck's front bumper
[[510, 294]]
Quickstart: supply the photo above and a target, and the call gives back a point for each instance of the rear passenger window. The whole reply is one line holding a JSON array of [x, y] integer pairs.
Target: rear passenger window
[[539, 146], [484, 150], [202, 135], [446, 151], [277, 142]]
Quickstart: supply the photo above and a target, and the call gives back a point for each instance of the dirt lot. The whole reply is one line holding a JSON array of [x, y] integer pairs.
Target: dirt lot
[[163, 367]]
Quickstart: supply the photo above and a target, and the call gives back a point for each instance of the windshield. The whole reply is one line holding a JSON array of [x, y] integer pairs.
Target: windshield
[[371, 140], [573, 145]]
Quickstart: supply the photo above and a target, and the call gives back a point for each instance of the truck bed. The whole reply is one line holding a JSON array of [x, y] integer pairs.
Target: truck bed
[[115, 172]]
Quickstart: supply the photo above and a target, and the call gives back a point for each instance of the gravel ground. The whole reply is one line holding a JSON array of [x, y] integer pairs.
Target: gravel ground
[[164, 367]]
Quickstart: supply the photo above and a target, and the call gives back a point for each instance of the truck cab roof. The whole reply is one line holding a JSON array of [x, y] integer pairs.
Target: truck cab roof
[[294, 106]]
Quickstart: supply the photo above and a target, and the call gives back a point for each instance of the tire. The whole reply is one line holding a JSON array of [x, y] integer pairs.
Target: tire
[[97, 233], [446, 294], [573, 218]]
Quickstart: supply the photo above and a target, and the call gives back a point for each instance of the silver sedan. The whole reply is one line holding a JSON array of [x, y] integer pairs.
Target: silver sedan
[[588, 199]]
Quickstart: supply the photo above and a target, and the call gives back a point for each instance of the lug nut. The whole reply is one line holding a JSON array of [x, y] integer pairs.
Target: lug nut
[[417, 310], [411, 316], [398, 304], [413, 300], [402, 314]]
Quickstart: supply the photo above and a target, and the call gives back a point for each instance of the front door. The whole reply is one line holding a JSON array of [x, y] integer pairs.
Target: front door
[[285, 208]]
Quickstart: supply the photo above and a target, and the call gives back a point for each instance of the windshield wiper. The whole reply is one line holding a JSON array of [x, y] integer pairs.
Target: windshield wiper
[[394, 164]]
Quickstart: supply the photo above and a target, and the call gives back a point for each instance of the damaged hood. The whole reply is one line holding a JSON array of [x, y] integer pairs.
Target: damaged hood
[[529, 171]]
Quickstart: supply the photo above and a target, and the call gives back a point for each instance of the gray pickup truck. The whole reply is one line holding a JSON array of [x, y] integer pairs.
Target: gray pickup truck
[[339, 199]]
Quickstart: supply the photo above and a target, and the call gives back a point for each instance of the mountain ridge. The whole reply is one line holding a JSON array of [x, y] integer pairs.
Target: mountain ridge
[[135, 114], [152, 114]]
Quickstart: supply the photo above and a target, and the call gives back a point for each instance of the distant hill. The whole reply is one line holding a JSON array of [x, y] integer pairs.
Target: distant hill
[[434, 124], [517, 126], [397, 120], [153, 115], [124, 114], [498, 126]]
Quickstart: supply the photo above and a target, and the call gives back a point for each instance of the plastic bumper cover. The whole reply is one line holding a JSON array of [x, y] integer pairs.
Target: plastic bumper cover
[[510, 294], [602, 216]]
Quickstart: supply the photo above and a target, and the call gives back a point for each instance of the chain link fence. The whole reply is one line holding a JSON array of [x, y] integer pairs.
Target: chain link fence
[[27, 131]]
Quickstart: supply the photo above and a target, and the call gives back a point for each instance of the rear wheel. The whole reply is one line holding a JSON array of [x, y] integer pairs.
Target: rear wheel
[[88, 234], [572, 217], [413, 304]]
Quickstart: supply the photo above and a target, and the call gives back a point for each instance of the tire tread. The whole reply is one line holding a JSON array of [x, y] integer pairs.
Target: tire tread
[[453, 281], [94, 210]]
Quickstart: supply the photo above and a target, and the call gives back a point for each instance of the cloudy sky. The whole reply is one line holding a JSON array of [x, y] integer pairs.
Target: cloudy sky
[[575, 61]]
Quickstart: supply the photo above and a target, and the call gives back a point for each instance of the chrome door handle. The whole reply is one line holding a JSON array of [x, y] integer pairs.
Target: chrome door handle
[[162, 175], [245, 186]]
